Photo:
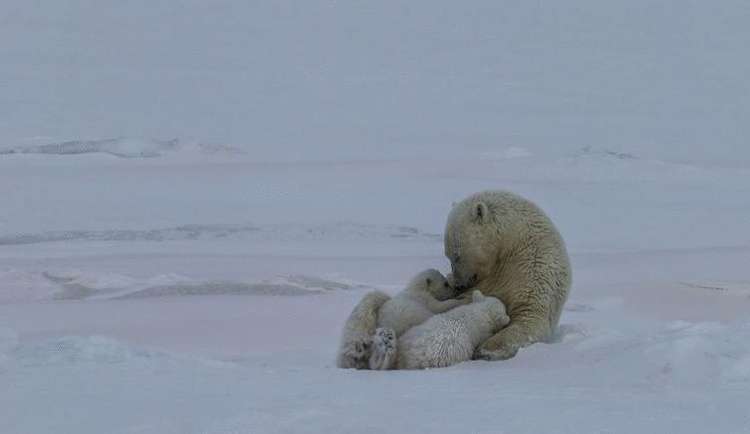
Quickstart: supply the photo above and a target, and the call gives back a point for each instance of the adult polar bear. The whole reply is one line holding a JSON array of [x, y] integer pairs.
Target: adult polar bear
[[506, 247]]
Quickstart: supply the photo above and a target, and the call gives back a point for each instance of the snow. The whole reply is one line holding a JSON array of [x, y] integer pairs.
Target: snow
[[194, 197], [665, 80], [119, 147], [225, 319]]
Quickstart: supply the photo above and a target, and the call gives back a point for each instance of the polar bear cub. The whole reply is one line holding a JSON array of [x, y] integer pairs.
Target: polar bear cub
[[356, 338], [445, 339], [426, 294], [451, 338]]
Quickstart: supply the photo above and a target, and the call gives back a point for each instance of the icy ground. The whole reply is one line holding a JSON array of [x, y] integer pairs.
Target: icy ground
[[194, 194], [203, 293]]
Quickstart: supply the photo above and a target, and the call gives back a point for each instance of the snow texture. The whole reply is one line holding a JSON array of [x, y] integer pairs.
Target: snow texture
[[195, 195]]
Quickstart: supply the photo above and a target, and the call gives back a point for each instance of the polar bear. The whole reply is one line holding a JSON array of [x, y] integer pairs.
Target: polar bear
[[445, 339], [426, 294], [505, 246]]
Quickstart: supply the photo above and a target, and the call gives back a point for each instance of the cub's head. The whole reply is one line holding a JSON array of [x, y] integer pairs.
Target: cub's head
[[433, 282], [472, 242], [495, 308]]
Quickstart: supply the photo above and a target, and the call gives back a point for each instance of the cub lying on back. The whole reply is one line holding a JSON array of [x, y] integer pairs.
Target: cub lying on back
[[442, 340], [426, 294]]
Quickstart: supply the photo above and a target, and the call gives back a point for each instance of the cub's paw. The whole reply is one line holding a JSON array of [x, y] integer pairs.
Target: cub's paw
[[465, 297], [384, 339], [383, 349], [356, 354]]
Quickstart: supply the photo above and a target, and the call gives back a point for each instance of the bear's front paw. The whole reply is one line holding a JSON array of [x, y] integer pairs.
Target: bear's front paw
[[498, 353]]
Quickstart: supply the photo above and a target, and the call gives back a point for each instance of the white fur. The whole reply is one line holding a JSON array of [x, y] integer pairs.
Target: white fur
[[451, 337], [506, 247], [356, 338], [425, 296]]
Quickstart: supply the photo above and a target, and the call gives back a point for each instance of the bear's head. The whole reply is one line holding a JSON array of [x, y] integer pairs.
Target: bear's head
[[433, 282], [472, 242]]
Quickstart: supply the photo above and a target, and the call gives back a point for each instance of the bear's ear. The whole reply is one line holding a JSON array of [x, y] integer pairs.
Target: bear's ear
[[428, 282], [480, 212], [453, 204], [477, 296]]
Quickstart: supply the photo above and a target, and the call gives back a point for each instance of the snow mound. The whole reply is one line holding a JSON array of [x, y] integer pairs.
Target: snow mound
[[92, 285], [291, 286], [119, 147], [677, 352], [123, 147], [621, 167], [278, 232], [76, 285], [19, 286], [723, 287], [279, 286], [700, 352], [607, 153], [509, 153]]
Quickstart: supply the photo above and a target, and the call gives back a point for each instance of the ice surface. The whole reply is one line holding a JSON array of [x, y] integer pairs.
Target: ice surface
[[152, 305], [195, 195], [121, 147], [339, 231]]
